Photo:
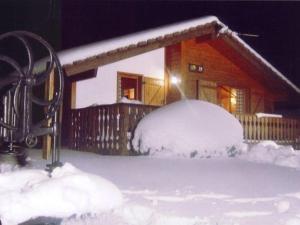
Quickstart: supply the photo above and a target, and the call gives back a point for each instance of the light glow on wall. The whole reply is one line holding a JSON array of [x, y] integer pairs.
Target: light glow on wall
[[233, 97], [175, 80]]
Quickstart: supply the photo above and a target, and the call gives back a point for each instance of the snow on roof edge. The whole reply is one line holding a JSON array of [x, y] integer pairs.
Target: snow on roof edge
[[72, 55], [234, 35], [269, 65]]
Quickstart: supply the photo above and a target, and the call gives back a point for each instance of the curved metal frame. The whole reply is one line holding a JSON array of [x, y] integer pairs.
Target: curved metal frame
[[22, 81]]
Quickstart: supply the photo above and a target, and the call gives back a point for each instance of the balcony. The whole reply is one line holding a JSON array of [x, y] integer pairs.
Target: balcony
[[108, 129]]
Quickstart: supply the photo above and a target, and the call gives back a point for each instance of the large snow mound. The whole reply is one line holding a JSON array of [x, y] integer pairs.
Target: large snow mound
[[30, 193], [188, 128]]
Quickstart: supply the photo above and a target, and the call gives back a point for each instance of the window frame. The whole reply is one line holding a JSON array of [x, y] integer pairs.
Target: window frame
[[137, 77]]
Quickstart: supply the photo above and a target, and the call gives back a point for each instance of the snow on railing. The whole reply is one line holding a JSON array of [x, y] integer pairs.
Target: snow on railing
[[261, 115]]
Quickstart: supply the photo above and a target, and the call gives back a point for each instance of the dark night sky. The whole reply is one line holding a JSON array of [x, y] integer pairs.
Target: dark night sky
[[69, 23]]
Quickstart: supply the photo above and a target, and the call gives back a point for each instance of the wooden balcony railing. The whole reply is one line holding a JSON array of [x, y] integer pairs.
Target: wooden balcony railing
[[105, 129], [108, 129], [280, 130]]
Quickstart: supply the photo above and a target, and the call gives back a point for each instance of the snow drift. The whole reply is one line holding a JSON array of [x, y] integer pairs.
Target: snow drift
[[188, 128], [30, 193], [270, 152]]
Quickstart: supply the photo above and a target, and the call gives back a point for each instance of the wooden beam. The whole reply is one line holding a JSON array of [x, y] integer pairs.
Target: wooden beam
[[139, 48], [73, 95], [84, 75], [49, 93]]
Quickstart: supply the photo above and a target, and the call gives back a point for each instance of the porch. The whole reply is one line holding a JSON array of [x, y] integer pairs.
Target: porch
[[108, 129]]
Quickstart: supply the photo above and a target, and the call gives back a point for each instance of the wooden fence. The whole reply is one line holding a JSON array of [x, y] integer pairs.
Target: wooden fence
[[108, 129], [105, 129], [280, 130]]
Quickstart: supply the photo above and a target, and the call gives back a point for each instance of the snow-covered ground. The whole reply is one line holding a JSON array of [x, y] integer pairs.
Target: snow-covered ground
[[177, 190], [197, 172], [173, 190]]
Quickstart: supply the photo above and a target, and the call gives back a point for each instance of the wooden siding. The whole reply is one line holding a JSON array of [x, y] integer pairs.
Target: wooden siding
[[173, 68], [257, 102], [218, 68], [250, 63]]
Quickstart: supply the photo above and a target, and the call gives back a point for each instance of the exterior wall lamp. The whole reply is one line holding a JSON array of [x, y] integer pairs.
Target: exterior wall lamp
[[175, 80]]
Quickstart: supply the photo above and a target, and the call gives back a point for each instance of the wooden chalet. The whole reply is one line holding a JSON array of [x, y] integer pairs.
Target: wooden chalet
[[202, 59]]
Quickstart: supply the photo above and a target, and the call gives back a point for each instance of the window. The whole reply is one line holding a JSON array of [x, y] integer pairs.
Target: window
[[240, 101], [232, 99], [129, 86]]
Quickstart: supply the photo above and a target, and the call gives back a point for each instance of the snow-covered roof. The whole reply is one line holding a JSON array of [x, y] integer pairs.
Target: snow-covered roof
[[82, 54], [70, 56]]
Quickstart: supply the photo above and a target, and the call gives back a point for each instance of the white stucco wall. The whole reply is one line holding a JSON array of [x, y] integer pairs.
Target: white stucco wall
[[103, 88]]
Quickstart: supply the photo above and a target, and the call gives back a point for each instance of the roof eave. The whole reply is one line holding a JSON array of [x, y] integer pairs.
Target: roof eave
[[232, 36], [141, 47]]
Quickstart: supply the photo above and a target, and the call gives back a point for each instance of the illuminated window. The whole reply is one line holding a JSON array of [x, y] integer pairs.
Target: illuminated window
[[129, 93], [129, 86], [240, 101], [232, 99]]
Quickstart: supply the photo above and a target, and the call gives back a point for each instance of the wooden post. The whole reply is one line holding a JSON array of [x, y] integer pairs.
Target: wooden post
[[49, 93], [244, 119], [124, 124], [258, 129]]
